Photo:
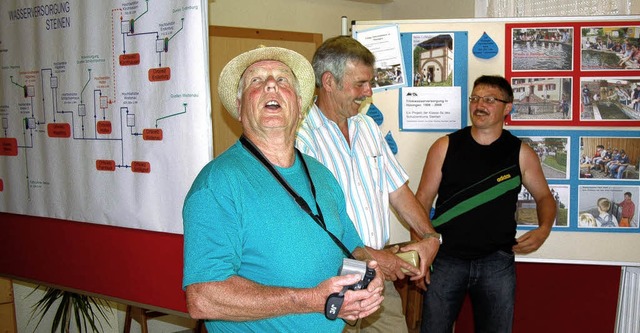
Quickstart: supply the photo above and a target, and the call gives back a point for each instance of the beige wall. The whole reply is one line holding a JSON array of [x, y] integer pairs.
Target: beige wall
[[434, 9], [324, 16], [315, 16]]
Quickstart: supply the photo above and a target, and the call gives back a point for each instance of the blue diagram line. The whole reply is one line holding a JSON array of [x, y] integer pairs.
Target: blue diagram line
[[182, 27], [85, 85], [147, 2], [172, 115], [16, 82]]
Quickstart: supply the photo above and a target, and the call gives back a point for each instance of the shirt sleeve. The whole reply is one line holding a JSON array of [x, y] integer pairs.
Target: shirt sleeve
[[211, 232]]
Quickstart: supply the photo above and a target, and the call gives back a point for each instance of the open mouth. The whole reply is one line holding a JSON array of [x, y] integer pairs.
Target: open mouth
[[359, 101], [272, 105]]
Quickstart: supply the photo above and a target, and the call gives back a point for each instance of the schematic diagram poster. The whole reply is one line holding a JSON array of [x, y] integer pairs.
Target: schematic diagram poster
[[104, 109]]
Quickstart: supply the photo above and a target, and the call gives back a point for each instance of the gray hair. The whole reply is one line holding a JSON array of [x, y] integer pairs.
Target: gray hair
[[332, 56]]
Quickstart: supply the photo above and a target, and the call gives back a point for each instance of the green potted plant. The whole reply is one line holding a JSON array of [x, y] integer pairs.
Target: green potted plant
[[85, 311]]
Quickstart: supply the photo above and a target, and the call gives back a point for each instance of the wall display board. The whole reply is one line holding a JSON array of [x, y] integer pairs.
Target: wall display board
[[575, 89], [105, 115], [432, 68], [104, 108], [590, 68]]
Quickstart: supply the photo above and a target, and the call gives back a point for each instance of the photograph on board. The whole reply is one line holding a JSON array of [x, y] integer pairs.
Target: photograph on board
[[433, 60], [541, 98], [542, 49], [607, 206], [609, 158], [610, 48], [384, 43], [526, 214], [610, 99], [553, 153]]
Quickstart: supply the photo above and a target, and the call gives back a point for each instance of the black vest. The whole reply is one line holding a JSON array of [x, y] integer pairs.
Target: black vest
[[475, 209]]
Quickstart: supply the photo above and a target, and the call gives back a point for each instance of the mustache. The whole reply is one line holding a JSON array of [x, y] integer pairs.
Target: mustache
[[480, 112]]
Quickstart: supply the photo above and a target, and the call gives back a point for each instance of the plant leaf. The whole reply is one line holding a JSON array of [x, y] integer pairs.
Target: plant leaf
[[86, 311]]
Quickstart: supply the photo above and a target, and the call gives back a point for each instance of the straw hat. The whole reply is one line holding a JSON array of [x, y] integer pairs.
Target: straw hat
[[233, 70]]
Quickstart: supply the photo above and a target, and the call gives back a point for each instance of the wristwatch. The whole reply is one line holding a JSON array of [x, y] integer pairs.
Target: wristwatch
[[434, 235]]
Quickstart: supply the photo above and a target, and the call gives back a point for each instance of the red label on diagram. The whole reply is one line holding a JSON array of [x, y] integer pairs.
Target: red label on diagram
[[104, 127], [160, 74], [129, 59], [105, 165], [8, 147], [59, 130], [140, 167], [152, 134]]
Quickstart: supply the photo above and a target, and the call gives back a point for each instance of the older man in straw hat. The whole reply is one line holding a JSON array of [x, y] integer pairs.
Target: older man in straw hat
[[265, 227]]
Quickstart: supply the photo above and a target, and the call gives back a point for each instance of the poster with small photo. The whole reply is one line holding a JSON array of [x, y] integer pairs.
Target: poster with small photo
[[553, 153], [526, 215], [433, 59], [609, 158], [610, 99], [541, 98], [608, 207], [610, 48], [542, 49]]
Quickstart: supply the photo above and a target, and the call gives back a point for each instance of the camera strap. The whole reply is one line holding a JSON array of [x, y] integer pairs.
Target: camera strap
[[318, 218]]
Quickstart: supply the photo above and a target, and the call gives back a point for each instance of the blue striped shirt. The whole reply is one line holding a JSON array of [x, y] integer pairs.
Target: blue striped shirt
[[367, 171]]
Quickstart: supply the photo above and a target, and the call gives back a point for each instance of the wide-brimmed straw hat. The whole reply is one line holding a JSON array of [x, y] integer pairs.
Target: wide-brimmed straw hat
[[233, 70]]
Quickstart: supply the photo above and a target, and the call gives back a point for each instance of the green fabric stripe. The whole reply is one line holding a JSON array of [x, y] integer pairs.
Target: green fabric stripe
[[477, 200], [481, 185]]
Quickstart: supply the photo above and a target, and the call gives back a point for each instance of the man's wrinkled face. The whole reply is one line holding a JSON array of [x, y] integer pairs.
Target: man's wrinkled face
[[354, 89], [269, 100]]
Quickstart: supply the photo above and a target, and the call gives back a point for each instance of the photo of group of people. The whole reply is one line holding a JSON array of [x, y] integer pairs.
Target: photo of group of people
[[609, 158], [607, 207], [573, 92], [607, 48], [610, 98], [388, 76]]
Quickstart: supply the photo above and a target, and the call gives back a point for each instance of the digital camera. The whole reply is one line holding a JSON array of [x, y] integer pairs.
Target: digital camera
[[349, 266], [352, 266]]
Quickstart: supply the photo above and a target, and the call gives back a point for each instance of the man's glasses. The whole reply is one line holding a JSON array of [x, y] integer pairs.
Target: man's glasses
[[486, 99]]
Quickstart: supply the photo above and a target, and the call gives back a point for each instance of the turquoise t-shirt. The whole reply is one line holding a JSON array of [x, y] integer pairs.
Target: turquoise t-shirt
[[239, 220]]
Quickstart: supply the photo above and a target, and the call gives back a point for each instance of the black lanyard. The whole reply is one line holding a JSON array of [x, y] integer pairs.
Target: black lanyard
[[318, 218]]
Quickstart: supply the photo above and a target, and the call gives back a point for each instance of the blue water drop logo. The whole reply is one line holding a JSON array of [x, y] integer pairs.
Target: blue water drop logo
[[375, 113], [485, 47], [392, 143]]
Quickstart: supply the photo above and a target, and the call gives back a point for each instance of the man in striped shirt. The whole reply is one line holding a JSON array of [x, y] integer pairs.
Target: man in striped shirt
[[351, 145]]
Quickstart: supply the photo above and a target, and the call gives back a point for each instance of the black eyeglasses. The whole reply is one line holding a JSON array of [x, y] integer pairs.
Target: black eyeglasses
[[486, 99]]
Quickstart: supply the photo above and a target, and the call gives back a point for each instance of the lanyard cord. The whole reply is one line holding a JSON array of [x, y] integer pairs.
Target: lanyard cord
[[319, 219]]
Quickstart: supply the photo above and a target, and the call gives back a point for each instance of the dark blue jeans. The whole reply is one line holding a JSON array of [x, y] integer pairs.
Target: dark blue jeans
[[490, 282]]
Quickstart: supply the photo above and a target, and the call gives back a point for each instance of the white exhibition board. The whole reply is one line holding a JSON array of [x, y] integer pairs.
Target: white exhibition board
[[567, 243], [105, 109]]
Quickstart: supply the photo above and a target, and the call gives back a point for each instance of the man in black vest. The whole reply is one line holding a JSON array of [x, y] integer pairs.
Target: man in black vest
[[476, 174]]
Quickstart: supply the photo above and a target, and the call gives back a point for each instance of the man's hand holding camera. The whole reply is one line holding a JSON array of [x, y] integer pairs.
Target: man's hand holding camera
[[353, 295]]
